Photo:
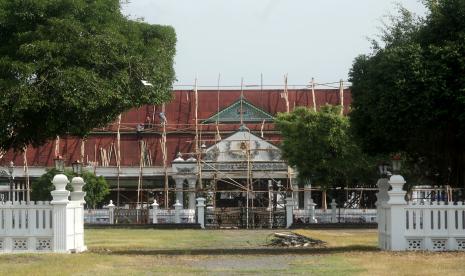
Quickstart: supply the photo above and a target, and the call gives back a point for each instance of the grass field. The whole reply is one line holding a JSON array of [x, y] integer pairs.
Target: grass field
[[230, 252]]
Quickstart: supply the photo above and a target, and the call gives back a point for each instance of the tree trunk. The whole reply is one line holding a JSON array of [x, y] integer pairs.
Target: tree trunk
[[324, 204]]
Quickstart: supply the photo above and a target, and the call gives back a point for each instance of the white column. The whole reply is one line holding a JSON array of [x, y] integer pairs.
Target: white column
[[201, 212], [179, 189], [311, 210], [382, 197], [154, 211], [333, 211], [295, 193], [192, 182], [177, 212], [111, 212], [77, 228], [289, 211], [59, 202], [397, 219]]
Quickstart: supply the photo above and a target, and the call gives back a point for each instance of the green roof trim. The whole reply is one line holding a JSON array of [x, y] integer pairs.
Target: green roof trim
[[232, 114]]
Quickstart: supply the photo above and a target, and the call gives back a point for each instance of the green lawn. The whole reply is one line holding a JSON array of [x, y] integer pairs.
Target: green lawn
[[229, 252]]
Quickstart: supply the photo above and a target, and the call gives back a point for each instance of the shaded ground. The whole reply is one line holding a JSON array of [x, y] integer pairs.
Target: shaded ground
[[230, 252]]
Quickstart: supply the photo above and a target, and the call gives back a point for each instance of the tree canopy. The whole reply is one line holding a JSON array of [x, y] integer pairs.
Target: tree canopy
[[68, 66], [96, 187], [321, 147], [409, 93]]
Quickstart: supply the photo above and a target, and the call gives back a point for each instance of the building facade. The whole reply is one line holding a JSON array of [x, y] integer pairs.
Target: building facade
[[221, 144]]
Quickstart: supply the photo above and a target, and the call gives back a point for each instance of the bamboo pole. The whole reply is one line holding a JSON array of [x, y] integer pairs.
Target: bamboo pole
[[26, 173], [165, 156], [118, 160], [57, 146], [313, 94], [341, 95]]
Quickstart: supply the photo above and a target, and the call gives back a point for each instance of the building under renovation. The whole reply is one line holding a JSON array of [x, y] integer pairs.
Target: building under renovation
[[221, 144]]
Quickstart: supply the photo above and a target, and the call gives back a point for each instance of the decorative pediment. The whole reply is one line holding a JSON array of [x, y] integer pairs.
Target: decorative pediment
[[232, 114], [242, 146]]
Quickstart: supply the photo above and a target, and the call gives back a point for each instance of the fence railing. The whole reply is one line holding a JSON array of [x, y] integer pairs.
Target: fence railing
[[436, 226], [55, 226]]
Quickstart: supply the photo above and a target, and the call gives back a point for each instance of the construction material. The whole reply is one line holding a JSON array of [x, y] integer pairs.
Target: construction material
[[291, 239]]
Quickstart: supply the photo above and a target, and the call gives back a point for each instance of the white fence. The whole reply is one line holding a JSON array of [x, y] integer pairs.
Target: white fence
[[55, 226], [338, 215], [408, 226]]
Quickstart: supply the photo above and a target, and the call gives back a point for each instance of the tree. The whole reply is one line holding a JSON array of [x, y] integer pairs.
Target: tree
[[321, 147], [42, 186], [68, 66], [408, 94], [96, 189]]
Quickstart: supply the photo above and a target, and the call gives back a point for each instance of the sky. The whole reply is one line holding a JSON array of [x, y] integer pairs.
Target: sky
[[249, 38]]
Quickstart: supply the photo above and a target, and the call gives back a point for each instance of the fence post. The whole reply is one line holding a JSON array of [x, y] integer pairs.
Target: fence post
[[201, 212], [60, 202], [177, 212], [311, 207], [289, 211], [333, 211], [397, 219], [179, 190], [77, 228], [111, 212], [154, 211], [382, 197], [191, 195]]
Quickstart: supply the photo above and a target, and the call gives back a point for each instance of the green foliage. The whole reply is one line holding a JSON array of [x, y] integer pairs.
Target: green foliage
[[68, 66], [321, 147], [42, 186], [96, 189], [409, 93]]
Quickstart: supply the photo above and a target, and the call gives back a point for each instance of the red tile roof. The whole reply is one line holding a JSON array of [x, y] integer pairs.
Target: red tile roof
[[180, 126]]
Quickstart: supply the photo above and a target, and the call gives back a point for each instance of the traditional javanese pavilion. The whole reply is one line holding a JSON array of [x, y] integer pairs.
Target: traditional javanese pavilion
[[221, 144]]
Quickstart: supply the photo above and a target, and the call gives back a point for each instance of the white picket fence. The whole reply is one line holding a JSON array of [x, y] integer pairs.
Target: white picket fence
[[408, 226], [55, 226]]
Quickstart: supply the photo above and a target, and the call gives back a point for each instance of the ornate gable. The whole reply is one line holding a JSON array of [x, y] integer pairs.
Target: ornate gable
[[241, 143], [232, 113]]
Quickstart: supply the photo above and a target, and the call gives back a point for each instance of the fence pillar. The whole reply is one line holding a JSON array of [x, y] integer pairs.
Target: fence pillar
[[381, 198], [177, 212], [289, 211], [60, 202], [191, 196], [201, 212], [154, 211], [77, 228], [179, 190], [333, 211], [397, 219], [77, 194], [111, 212], [311, 210]]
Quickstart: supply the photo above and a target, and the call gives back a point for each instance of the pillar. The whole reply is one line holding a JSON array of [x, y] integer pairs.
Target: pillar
[[290, 203], [179, 190], [154, 211], [397, 221], [59, 202], [191, 195], [177, 212], [333, 211], [201, 212], [311, 210], [111, 212]]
